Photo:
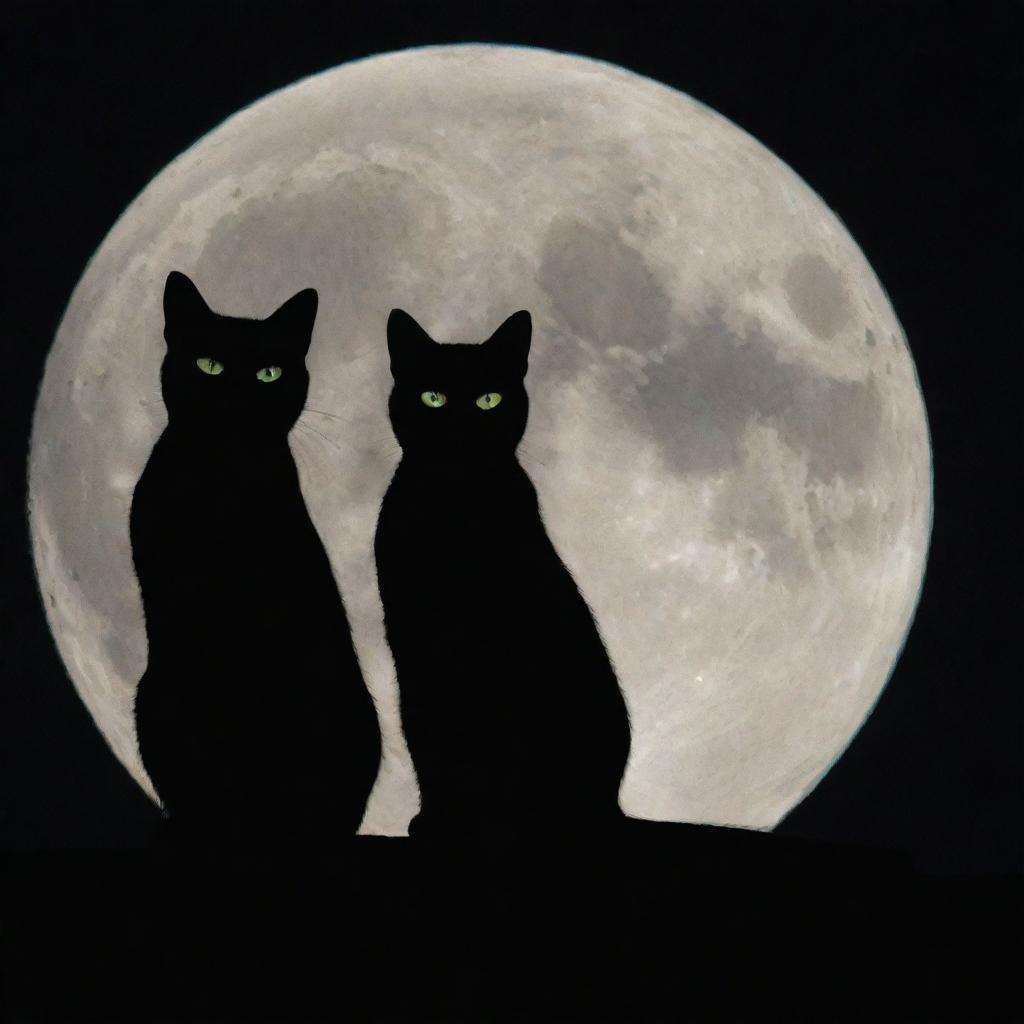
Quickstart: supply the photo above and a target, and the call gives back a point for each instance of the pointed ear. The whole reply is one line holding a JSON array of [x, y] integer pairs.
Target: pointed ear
[[295, 318], [184, 307], [512, 341], [407, 341]]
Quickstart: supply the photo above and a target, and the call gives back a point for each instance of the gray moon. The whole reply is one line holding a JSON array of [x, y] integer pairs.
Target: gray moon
[[727, 432]]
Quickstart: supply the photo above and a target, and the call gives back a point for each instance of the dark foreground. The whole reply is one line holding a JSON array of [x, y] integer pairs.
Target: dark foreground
[[665, 923]]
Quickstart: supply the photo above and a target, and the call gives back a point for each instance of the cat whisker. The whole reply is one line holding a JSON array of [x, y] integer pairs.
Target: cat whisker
[[366, 447], [532, 456], [332, 443], [383, 446], [331, 415], [531, 467], [371, 443], [375, 440]]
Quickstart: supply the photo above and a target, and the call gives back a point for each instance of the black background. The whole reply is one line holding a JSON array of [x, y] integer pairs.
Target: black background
[[904, 117]]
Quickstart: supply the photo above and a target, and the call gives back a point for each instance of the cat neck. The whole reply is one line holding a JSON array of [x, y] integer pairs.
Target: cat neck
[[231, 446], [461, 464], [458, 468]]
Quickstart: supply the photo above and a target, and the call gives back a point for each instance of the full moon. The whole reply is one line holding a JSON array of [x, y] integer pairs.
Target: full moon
[[726, 431]]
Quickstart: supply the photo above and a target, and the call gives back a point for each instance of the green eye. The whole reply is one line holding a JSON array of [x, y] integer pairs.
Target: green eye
[[210, 366], [269, 373], [434, 399], [489, 401]]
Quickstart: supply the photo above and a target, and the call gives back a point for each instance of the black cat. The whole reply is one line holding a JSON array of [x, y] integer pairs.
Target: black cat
[[510, 704], [253, 717]]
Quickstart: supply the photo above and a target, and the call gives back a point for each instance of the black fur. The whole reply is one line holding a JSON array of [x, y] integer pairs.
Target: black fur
[[252, 715], [510, 704]]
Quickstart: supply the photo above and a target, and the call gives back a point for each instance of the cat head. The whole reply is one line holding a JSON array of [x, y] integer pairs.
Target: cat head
[[224, 373], [458, 401]]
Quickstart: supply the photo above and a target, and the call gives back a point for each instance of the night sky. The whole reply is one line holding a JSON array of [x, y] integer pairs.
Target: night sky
[[904, 117]]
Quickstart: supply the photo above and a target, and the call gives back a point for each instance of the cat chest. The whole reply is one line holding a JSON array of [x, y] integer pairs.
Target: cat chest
[[460, 591], [241, 534], [462, 552]]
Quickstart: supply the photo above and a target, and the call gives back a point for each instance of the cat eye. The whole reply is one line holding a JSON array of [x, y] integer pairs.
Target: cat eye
[[433, 399], [269, 373], [210, 366], [489, 401]]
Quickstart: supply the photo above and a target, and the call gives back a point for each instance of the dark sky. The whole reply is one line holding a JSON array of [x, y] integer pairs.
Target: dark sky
[[906, 119]]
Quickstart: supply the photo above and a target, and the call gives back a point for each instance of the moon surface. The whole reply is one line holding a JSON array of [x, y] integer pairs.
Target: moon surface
[[726, 430]]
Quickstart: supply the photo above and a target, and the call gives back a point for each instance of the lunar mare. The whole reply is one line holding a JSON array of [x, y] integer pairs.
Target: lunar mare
[[726, 432]]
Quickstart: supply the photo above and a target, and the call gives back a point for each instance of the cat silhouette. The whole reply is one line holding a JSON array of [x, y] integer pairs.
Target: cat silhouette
[[510, 705], [252, 716]]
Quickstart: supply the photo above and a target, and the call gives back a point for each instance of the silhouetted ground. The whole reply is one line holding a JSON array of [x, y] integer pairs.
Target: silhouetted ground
[[666, 922]]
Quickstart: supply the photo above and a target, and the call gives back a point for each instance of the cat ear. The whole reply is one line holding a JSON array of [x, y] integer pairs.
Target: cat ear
[[512, 340], [183, 305], [295, 319], [407, 341]]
